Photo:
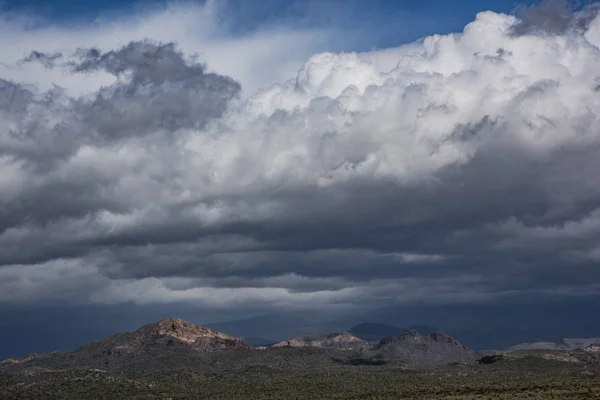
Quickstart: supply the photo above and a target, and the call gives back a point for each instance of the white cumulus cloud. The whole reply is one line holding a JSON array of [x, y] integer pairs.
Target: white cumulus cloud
[[448, 165]]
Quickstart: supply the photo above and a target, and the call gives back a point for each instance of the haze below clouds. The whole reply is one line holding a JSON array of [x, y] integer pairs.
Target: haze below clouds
[[163, 161]]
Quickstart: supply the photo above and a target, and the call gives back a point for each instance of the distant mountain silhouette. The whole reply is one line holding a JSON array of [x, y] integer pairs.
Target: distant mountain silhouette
[[376, 331], [277, 326]]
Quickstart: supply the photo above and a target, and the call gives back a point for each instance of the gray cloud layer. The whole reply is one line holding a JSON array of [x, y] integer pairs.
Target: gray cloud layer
[[458, 169]]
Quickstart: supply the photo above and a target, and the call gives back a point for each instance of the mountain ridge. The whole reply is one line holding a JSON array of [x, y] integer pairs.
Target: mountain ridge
[[372, 331], [409, 348], [174, 341]]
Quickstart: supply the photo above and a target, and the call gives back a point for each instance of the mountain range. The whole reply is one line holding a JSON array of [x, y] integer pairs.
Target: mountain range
[[511, 324], [410, 348], [173, 358], [173, 341], [25, 330]]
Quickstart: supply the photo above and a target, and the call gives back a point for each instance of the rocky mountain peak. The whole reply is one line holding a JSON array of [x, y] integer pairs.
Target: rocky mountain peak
[[187, 332], [179, 329], [411, 333], [440, 336]]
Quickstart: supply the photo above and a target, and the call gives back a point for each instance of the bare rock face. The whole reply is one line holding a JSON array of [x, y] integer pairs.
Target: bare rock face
[[336, 340], [179, 331], [177, 328]]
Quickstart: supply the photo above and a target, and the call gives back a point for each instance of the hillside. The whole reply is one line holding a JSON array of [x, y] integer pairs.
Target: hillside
[[174, 343], [414, 349], [294, 373], [177, 359]]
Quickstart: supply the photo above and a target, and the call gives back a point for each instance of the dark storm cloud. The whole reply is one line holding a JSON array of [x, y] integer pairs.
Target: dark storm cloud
[[162, 91], [460, 218], [46, 131], [450, 178]]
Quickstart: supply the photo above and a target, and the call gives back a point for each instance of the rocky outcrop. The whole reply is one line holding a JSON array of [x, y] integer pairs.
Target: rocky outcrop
[[337, 340], [178, 330], [168, 332]]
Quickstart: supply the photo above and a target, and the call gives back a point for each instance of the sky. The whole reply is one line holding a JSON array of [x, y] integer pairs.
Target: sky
[[312, 163]]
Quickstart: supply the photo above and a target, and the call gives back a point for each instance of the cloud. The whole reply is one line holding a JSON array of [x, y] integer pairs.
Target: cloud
[[46, 59], [254, 59], [160, 91], [459, 168], [554, 16]]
